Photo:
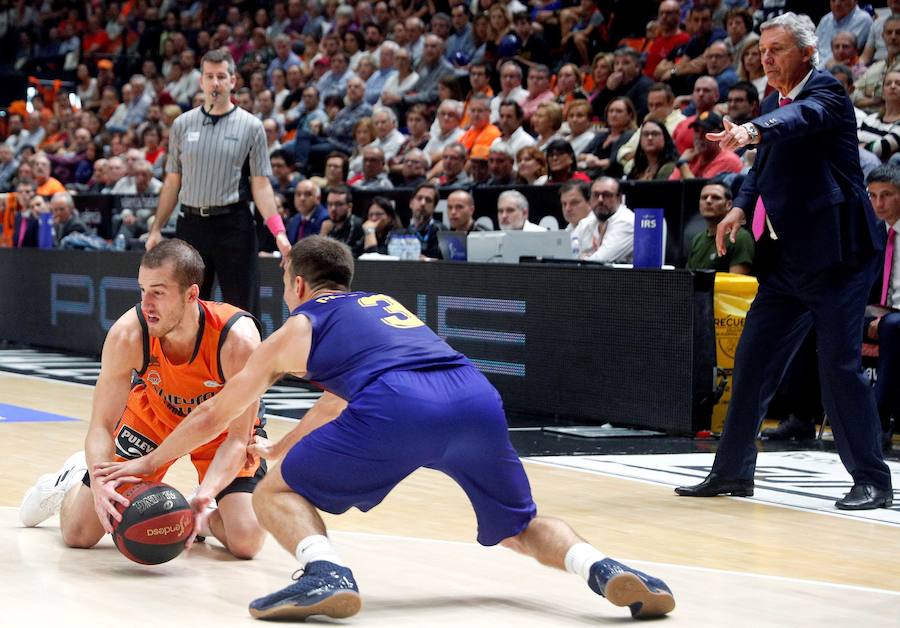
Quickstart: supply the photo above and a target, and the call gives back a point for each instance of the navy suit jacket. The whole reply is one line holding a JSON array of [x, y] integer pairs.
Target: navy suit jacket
[[31, 231], [808, 173]]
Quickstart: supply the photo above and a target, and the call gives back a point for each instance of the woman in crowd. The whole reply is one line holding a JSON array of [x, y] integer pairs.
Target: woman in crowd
[[879, 132], [417, 120], [655, 157], [601, 68], [620, 126], [532, 166], [581, 132], [381, 219], [86, 87], [151, 141], [568, 87], [481, 35], [751, 69], [279, 88], [546, 123], [561, 163], [354, 46], [363, 134]]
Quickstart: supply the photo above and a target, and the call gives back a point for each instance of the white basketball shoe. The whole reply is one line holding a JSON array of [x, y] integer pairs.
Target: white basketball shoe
[[45, 498]]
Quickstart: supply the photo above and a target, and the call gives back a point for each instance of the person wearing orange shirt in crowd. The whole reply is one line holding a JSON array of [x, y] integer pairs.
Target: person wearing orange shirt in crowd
[[706, 159], [704, 97], [14, 210], [481, 132], [46, 185], [668, 38], [478, 76]]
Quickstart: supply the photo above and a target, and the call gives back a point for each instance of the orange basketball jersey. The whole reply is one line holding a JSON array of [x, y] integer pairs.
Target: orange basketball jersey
[[168, 392]]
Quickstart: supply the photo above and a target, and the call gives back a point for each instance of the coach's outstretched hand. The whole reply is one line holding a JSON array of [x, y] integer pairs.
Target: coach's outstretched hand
[[729, 228]]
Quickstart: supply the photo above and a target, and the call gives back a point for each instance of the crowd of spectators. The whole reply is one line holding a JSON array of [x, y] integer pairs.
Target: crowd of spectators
[[446, 94]]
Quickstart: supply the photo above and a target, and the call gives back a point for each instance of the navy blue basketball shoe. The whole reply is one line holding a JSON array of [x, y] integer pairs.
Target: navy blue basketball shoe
[[323, 589], [644, 595]]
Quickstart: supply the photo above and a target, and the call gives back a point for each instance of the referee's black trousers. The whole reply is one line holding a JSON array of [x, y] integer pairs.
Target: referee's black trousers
[[227, 243]]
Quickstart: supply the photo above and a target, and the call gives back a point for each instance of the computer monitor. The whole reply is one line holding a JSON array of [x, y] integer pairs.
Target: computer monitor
[[509, 246], [452, 245]]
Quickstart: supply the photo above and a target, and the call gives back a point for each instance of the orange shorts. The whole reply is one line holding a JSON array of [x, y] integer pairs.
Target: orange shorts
[[137, 435]]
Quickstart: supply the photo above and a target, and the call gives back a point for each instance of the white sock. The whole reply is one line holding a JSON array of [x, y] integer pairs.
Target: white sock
[[580, 557], [316, 547]]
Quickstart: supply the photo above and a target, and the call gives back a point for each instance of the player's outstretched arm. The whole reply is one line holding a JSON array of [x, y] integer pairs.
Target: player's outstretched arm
[[122, 352], [231, 455], [285, 351]]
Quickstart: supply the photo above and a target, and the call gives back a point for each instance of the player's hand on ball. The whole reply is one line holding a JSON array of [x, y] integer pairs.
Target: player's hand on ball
[[105, 499]]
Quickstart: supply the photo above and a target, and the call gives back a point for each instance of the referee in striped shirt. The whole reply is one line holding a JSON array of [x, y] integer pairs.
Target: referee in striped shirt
[[217, 161]]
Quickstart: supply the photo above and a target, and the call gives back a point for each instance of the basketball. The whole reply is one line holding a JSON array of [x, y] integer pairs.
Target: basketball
[[155, 525]]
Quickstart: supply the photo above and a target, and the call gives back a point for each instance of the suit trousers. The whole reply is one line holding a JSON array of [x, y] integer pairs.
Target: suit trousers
[[886, 388], [789, 303], [227, 243]]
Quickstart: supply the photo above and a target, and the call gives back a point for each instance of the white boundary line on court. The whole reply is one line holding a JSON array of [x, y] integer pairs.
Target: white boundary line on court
[[622, 476], [712, 570]]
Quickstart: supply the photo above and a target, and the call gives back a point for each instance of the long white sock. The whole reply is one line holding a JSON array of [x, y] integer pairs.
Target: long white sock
[[580, 557], [316, 547]]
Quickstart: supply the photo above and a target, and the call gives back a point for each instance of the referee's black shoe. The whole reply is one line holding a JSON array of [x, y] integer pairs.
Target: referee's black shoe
[[714, 485]]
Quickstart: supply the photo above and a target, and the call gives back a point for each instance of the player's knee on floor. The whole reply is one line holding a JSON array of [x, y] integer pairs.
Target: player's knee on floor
[[80, 537]]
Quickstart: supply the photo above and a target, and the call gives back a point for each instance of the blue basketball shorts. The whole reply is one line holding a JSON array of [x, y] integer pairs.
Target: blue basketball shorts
[[451, 420]]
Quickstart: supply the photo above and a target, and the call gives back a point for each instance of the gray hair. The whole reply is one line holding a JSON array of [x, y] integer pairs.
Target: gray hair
[[66, 197], [416, 153], [452, 105], [885, 173], [516, 197], [389, 45], [802, 29], [387, 111]]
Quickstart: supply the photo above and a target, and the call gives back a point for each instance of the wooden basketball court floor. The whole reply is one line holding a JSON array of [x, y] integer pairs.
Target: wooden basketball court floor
[[730, 562]]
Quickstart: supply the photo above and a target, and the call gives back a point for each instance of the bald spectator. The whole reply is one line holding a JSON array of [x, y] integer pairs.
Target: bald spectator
[[46, 185], [374, 176], [310, 213], [132, 157], [704, 98], [273, 132], [98, 180], [414, 168], [512, 212], [65, 218], [461, 212]]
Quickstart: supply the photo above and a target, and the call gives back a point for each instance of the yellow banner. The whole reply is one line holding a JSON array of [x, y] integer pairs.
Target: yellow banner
[[733, 296]]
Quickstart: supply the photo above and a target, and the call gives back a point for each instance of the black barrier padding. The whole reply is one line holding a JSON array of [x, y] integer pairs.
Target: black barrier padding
[[589, 344]]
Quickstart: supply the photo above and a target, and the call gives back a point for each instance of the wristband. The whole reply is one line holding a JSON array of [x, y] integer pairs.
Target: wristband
[[275, 224]]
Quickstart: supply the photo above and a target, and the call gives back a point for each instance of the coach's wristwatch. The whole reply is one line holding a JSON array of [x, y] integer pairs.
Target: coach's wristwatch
[[752, 131]]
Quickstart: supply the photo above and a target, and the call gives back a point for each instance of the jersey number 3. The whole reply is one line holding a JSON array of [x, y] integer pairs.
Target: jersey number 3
[[400, 317]]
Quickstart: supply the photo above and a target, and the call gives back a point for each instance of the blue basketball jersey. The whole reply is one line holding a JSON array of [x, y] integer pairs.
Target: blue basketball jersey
[[358, 336]]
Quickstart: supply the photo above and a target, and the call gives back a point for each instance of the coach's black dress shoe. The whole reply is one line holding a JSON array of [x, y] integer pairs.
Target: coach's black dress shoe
[[714, 485], [866, 497], [791, 428]]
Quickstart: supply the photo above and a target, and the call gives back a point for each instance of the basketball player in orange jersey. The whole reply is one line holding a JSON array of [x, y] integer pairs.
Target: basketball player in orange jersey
[[184, 350]]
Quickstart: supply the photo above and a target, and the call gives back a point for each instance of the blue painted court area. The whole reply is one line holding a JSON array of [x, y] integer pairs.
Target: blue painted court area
[[18, 414]]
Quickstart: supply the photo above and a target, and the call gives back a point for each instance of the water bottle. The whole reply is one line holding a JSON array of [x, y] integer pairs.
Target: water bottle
[[576, 245], [395, 245], [415, 247], [45, 230], [119, 242]]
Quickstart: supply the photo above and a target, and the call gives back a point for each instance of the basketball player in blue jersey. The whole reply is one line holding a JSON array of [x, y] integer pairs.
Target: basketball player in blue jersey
[[397, 398]]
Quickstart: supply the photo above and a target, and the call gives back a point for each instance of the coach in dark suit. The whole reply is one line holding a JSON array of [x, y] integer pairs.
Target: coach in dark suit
[[816, 258]]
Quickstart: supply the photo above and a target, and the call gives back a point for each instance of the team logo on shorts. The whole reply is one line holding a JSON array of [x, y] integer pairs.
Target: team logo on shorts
[[131, 444]]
